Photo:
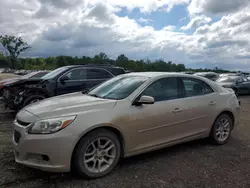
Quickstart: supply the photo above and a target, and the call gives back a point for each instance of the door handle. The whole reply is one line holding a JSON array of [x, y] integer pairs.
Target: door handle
[[177, 110], [212, 103]]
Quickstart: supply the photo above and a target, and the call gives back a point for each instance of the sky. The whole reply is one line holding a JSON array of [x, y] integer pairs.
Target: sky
[[197, 33]]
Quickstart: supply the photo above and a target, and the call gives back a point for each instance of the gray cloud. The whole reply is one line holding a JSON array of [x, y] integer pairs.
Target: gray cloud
[[197, 21], [216, 6], [225, 43], [45, 11], [62, 4], [101, 12]]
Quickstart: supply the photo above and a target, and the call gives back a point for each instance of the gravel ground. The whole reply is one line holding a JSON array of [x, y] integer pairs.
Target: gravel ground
[[195, 164]]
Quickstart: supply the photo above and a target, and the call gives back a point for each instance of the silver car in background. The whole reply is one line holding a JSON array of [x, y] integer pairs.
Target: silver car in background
[[124, 116]]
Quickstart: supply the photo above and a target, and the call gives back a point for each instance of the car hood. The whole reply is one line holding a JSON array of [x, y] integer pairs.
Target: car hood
[[70, 104], [9, 80]]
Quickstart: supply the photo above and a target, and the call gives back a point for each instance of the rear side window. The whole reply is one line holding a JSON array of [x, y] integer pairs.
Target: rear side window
[[195, 87], [76, 74], [98, 74], [163, 89]]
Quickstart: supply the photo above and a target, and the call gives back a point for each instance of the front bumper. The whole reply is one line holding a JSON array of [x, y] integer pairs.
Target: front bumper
[[51, 152]]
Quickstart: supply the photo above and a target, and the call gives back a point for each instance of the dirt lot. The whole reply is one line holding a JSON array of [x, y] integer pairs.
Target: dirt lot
[[196, 164]]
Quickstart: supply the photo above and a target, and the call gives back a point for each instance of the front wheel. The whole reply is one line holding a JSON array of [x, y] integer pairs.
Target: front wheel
[[96, 154], [221, 130]]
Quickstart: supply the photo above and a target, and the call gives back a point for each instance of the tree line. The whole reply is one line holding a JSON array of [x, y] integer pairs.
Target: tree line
[[15, 46]]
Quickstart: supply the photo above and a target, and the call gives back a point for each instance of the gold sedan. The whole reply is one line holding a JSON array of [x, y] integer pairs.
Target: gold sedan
[[124, 116]]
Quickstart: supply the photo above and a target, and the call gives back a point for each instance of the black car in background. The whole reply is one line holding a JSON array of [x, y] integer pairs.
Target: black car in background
[[67, 79], [240, 84]]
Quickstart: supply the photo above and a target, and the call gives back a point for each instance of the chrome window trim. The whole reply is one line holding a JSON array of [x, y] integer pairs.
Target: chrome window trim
[[58, 80], [151, 82]]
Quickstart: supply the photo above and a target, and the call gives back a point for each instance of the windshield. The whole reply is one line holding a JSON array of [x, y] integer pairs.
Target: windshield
[[118, 88], [33, 75], [54, 73], [228, 79], [29, 75]]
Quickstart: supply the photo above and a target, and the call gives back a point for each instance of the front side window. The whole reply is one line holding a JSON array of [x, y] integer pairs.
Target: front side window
[[195, 87], [98, 74], [163, 89], [119, 87], [76, 74]]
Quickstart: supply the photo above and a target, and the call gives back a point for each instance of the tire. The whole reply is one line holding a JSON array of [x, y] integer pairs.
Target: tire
[[216, 132], [79, 161], [32, 99]]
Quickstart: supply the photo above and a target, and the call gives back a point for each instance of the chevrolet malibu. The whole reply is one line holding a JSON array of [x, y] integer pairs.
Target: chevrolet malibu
[[124, 116]]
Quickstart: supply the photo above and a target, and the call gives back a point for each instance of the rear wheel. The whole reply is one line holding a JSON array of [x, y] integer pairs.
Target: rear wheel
[[221, 130], [96, 154], [33, 99]]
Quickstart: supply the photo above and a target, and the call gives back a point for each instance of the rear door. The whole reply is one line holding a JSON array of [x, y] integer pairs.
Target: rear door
[[75, 83], [199, 109], [95, 76]]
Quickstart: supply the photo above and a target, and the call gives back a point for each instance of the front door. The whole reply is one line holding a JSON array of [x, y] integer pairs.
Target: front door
[[75, 83], [156, 123]]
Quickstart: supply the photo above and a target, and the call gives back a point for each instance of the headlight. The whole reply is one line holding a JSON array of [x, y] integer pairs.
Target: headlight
[[49, 126]]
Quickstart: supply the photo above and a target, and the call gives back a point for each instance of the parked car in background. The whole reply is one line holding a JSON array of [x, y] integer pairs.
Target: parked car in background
[[124, 116], [228, 74], [240, 84], [63, 80], [210, 75]]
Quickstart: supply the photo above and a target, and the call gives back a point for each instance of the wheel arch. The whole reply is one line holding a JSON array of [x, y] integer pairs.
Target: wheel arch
[[108, 127], [229, 113], [38, 91]]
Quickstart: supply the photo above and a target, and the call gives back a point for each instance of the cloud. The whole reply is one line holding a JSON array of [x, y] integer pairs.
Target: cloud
[[144, 20], [216, 6], [77, 28], [169, 28], [144, 5], [197, 21]]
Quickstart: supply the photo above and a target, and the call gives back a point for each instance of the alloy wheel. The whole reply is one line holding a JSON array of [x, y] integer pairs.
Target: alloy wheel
[[99, 155], [223, 129]]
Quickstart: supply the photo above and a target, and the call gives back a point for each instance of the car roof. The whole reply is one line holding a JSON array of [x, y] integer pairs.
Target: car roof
[[95, 65], [158, 74]]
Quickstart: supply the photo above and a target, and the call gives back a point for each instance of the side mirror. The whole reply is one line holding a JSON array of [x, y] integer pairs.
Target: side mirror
[[64, 78], [145, 100]]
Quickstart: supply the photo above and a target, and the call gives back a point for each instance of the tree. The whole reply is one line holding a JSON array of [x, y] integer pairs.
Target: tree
[[100, 58], [61, 61], [14, 45], [4, 63]]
